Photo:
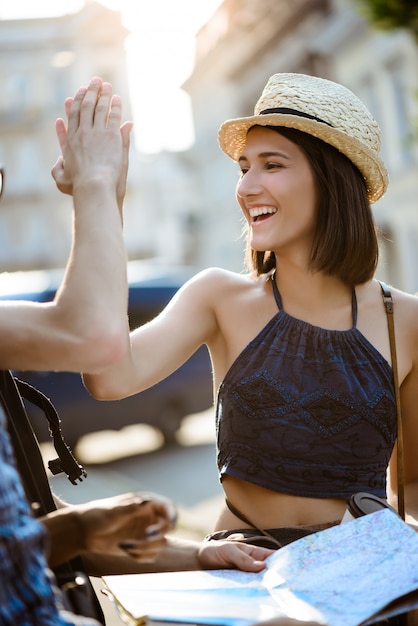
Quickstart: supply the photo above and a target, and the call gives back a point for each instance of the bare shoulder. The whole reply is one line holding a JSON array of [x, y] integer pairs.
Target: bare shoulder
[[218, 275], [206, 298], [406, 306], [405, 310], [225, 294], [215, 283]]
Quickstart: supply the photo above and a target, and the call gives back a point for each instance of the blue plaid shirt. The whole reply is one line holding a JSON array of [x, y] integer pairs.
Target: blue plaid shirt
[[28, 595]]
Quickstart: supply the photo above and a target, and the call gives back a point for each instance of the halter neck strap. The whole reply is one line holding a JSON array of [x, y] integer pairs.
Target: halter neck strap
[[279, 303]]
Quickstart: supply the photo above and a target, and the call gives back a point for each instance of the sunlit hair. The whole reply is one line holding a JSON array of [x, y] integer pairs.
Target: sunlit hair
[[345, 242]]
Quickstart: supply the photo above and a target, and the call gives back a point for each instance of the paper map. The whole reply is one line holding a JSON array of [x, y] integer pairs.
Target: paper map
[[340, 576]]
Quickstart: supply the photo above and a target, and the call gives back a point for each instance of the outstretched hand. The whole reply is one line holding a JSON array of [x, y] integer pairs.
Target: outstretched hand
[[94, 143]]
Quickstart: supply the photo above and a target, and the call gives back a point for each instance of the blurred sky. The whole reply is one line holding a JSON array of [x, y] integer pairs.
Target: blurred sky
[[160, 57]]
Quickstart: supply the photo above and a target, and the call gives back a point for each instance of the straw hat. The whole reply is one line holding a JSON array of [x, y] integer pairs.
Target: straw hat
[[321, 108]]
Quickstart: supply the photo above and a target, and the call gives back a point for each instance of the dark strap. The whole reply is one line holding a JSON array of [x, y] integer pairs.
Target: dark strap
[[245, 519], [30, 462], [65, 461], [278, 299], [389, 305], [28, 455], [240, 515]]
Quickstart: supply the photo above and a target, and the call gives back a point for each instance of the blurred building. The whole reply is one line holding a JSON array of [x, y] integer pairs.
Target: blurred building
[[42, 61], [244, 43], [180, 207]]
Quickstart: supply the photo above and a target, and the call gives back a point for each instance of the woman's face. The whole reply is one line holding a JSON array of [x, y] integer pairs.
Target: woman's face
[[277, 195]]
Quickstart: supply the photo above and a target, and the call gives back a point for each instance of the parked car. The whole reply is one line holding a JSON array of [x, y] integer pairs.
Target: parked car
[[186, 391]]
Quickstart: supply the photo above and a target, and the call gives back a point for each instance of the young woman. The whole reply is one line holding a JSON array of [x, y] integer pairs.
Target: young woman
[[305, 407]]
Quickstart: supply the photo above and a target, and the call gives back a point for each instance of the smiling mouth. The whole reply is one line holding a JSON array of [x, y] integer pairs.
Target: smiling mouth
[[261, 213]]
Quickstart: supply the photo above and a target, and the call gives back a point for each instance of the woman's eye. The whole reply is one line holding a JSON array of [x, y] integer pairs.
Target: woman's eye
[[267, 166]]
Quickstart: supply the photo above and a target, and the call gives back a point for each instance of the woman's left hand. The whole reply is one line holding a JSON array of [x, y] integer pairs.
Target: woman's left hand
[[232, 555]]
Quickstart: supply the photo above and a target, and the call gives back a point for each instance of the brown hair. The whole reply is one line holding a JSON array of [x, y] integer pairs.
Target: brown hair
[[345, 242]]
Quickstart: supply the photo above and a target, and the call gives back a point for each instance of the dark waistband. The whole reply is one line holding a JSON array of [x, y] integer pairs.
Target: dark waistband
[[273, 538]]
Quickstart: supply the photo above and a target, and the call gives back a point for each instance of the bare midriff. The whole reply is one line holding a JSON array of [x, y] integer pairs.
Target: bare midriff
[[269, 509]]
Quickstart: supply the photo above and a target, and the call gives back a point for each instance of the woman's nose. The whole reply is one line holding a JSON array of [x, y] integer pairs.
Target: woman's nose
[[248, 185]]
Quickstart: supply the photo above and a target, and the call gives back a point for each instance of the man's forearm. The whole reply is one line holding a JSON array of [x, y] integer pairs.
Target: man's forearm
[[177, 555], [65, 536]]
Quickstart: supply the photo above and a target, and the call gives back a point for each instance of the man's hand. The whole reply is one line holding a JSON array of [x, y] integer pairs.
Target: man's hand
[[94, 114], [133, 525], [232, 555]]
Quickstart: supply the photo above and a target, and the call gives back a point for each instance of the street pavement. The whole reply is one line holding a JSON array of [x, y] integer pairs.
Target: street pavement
[[135, 460]]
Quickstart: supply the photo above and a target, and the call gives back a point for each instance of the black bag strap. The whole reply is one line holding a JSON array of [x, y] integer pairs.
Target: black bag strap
[[25, 443], [388, 302], [65, 462], [30, 462], [28, 455]]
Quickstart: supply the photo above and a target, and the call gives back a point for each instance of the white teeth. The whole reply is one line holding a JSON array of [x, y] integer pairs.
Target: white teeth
[[264, 210]]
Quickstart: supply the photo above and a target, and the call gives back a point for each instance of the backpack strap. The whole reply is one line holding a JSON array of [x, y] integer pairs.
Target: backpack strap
[[65, 462], [35, 481], [28, 455], [389, 305]]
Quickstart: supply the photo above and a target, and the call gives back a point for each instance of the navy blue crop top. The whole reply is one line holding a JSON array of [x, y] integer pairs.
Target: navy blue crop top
[[307, 411]]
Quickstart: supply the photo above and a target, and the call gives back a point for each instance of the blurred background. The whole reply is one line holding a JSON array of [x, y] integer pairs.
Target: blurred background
[[182, 68]]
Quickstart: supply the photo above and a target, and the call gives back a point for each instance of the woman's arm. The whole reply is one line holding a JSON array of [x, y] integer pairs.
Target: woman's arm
[[183, 554], [164, 344], [406, 330], [409, 404]]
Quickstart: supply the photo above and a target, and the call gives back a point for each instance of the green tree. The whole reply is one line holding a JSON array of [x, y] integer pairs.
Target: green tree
[[391, 14]]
